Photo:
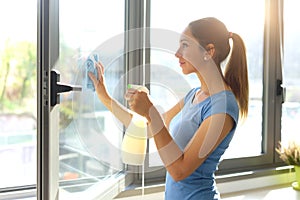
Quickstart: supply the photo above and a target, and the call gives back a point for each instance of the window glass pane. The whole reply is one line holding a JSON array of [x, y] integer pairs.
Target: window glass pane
[[239, 19], [18, 92], [89, 135], [291, 108]]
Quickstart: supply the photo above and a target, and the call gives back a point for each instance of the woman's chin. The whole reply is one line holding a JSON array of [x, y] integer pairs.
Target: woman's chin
[[185, 72]]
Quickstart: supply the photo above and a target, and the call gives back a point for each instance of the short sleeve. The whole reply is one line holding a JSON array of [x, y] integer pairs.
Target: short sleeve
[[222, 103]]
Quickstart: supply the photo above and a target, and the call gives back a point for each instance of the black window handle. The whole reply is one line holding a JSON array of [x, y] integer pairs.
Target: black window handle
[[281, 91], [57, 87]]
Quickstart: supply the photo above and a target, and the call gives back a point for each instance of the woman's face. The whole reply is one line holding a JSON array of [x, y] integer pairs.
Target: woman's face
[[189, 53]]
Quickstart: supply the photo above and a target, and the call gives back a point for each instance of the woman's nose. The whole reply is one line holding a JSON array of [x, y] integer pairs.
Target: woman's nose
[[178, 54]]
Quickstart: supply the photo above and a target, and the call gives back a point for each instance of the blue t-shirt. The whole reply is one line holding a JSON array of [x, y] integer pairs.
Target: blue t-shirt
[[200, 185]]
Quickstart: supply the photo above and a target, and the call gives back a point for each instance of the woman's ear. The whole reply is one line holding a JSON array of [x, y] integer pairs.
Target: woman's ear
[[210, 48]]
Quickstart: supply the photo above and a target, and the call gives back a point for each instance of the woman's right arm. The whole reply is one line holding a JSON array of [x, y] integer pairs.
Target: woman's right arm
[[117, 109]]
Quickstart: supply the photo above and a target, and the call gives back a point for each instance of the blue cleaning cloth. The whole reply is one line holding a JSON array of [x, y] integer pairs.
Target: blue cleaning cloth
[[90, 65]]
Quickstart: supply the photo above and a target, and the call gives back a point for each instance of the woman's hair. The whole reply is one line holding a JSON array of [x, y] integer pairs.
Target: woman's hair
[[212, 31]]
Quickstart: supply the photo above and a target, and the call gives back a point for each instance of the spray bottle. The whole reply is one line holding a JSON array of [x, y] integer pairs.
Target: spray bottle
[[134, 143]]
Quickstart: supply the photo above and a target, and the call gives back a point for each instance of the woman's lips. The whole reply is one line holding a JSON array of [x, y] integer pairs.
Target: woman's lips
[[181, 63]]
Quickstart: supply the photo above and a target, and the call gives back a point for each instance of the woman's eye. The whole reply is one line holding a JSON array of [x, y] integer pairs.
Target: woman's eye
[[184, 45]]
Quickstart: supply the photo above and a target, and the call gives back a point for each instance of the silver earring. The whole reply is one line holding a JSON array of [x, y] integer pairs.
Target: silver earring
[[205, 58]]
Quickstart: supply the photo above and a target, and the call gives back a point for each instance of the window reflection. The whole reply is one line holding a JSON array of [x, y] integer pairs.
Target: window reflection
[[89, 135]]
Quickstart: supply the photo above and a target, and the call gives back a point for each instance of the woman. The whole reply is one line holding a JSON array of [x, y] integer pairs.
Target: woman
[[193, 135]]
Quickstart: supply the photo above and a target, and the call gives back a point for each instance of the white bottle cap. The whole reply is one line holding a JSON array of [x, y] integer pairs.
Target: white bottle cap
[[138, 87]]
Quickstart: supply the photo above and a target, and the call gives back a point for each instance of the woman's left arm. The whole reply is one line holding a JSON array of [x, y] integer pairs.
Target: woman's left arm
[[208, 136]]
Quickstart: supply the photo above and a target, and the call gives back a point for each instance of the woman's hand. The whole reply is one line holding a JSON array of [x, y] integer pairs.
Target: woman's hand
[[99, 83], [139, 102]]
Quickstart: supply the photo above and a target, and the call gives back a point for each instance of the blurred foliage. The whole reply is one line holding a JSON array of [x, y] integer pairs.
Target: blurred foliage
[[66, 114], [18, 77]]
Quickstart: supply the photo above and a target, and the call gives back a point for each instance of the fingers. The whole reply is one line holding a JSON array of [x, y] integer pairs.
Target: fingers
[[130, 94], [91, 75], [93, 78], [100, 72], [100, 69], [130, 97]]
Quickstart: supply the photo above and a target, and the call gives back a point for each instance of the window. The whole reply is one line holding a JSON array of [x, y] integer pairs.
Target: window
[[291, 107], [18, 93], [89, 135]]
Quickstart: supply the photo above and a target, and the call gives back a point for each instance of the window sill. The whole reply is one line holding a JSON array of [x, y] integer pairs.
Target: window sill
[[155, 191], [266, 193], [255, 179], [109, 189], [228, 185]]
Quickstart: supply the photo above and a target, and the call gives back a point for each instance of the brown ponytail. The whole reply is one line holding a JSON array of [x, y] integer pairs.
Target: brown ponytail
[[236, 74], [212, 31]]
